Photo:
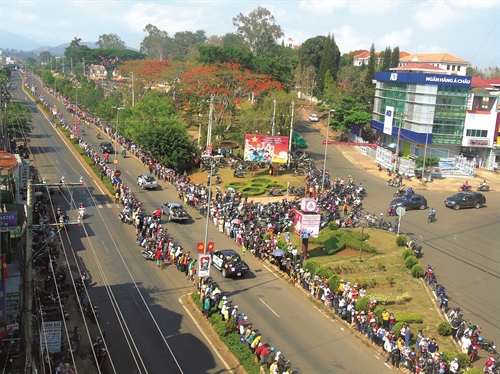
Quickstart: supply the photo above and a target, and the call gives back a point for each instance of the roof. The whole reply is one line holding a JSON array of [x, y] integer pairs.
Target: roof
[[494, 81], [423, 67], [7, 161], [228, 252], [480, 82], [434, 57], [173, 203]]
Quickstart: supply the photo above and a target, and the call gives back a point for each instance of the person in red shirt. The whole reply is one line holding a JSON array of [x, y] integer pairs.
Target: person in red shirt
[[262, 351]]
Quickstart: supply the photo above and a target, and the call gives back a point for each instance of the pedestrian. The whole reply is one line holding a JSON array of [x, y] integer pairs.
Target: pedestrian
[[76, 338], [385, 318], [381, 221], [346, 209], [407, 335], [206, 307]]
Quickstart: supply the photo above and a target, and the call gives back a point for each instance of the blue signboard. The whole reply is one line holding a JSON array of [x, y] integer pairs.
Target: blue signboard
[[421, 78]]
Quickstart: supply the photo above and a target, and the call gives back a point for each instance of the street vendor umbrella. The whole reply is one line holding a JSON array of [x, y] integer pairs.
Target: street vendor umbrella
[[236, 221], [278, 252]]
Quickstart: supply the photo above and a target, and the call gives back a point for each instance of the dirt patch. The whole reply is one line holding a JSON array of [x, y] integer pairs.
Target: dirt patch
[[348, 253], [212, 336]]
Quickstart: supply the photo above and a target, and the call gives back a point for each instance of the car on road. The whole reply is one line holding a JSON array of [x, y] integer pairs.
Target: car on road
[[229, 263], [147, 181], [174, 211], [411, 202], [313, 118], [106, 147], [298, 140], [465, 200]]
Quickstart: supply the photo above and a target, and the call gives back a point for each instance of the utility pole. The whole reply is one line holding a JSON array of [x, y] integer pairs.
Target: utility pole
[[133, 93], [291, 135], [28, 282], [83, 65], [397, 143], [209, 130], [273, 129]]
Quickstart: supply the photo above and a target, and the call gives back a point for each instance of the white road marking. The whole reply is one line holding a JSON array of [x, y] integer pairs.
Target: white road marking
[[57, 160], [272, 272], [228, 368], [109, 205], [386, 364], [97, 184], [276, 314], [126, 171], [99, 206], [342, 328]]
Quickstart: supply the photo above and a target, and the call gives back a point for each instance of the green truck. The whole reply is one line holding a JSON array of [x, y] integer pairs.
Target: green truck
[[298, 140]]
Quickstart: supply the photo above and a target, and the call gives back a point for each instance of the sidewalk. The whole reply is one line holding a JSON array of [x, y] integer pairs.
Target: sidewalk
[[368, 164]]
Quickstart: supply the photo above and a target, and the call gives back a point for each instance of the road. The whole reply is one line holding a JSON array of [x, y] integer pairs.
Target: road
[[462, 246], [282, 313]]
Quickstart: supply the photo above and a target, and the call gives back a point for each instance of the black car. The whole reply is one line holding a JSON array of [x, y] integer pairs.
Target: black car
[[411, 202], [229, 263], [465, 200], [106, 147]]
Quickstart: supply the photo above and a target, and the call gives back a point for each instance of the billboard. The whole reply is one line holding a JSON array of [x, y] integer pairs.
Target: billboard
[[420, 78], [307, 225], [8, 221], [204, 265], [264, 148], [389, 117]]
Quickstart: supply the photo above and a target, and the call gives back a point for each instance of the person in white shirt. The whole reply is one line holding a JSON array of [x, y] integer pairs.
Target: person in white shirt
[[465, 343]]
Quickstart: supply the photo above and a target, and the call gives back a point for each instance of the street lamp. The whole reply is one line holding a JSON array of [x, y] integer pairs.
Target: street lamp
[[426, 142], [116, 133], [326, 148]]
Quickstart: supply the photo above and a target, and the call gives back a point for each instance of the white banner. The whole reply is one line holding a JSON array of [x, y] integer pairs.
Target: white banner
[[389, 117], [204, 262], [50, 338]]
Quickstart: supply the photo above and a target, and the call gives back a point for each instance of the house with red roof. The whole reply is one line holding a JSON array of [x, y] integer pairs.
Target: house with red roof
[[444, 61]]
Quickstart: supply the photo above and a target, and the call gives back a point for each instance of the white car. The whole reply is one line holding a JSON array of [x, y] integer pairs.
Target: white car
[[147, 181], [313, 118]]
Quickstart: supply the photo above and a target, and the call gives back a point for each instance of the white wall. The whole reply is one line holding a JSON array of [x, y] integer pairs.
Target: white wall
[[475, 121]]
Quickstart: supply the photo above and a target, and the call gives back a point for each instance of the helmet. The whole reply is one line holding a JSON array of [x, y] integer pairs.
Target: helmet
[[480, 339], [272, 349]]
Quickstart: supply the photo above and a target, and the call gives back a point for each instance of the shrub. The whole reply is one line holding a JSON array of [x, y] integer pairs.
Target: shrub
[[312, 266], [472, 371], [444, 329], [463, 360], [410, 261], [267, 236], [404, 298], [334, 283], [391, 281], [417, 271], [410, 317], [397, 327], [324, 272], [407, 253], [378, 311], [401, 240], [363, 304], [384, 299], [332, 225], [281, 244], [230, 326]]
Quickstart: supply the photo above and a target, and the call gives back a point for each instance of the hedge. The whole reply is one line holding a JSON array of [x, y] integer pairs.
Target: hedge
[[312, 266], [444, 329], [363, 304], [401, 240], [230, 339], [334, 283], [409, 317], [417, 271], [324, 272], [410, 261], [407, 253]]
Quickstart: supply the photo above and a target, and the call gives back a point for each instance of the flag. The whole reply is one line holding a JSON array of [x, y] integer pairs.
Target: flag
[[5, 271], [211, 247], [201, 247]]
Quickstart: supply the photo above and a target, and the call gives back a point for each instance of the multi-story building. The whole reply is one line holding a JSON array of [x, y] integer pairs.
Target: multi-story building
[[450, 64], [450, 114]]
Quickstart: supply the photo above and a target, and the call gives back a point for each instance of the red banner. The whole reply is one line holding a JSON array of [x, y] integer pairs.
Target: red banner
[[201, 247], [210, 246], [263, 148]]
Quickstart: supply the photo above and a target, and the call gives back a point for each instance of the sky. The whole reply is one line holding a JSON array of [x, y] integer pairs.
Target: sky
[[467, 29]]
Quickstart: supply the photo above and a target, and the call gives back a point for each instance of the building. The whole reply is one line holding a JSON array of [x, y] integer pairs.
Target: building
[[444, 61], [362, 57], [96, 71], [450, 114]]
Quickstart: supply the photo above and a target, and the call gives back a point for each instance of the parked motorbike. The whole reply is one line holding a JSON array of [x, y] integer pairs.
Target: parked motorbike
[[125, 217], [275, 192], [487, 345], [148, 255]]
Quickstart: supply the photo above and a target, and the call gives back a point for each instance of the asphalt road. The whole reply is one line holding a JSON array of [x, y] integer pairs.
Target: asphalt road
[[462, 246], [287, 320]]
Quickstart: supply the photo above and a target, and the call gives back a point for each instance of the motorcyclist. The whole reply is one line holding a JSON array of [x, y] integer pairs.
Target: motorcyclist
[[410, 191], [466, 185], [106, 157], [124, 152], [98, 134], [432, 213], [490, 365], [157, 213], [483, 184], [81, 206], [83, 131]]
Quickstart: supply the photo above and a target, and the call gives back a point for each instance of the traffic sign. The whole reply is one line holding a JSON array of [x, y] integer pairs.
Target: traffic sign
[[401, 211], [118, 173], [115, 161], [330, 142]]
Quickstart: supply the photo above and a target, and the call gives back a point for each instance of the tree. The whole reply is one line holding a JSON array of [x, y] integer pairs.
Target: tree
[[214, 40], [44, 56], [112, 58], [156, 44], [350, 112], [329, 61], [395, 57], [75, 52], [258, 30], [311, 50], [184, 41], [147, 73], [370, 71], [232, 40], [110, 41], [18, 120], [386, 59]]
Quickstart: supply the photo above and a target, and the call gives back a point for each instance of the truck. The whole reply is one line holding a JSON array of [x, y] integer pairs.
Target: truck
[[174, 212]]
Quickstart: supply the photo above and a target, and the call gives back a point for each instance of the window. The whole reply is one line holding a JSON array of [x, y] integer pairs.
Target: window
[[453, 67], [477, 133], [447, 67], [458, 68]]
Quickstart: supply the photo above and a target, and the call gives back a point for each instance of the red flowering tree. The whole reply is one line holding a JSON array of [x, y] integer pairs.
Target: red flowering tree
[[228, 83], [147, 73]]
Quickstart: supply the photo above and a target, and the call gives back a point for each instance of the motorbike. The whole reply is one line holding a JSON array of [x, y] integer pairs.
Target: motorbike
[[487, 345], [391, 212], [393, 183], [81, 213], [464, 188], [124, 153], [399, 192], [472, 352], [417, 249], [379, 167], [454, 314], [483, 187], [275, 192], [148, 254], [238, 173], [125, 217], [100, 348]]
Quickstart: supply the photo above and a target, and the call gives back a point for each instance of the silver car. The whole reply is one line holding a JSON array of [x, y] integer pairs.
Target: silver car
[[147, 181]]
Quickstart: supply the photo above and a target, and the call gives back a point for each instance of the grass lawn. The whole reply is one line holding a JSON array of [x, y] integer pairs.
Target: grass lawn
[[386, 276]]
